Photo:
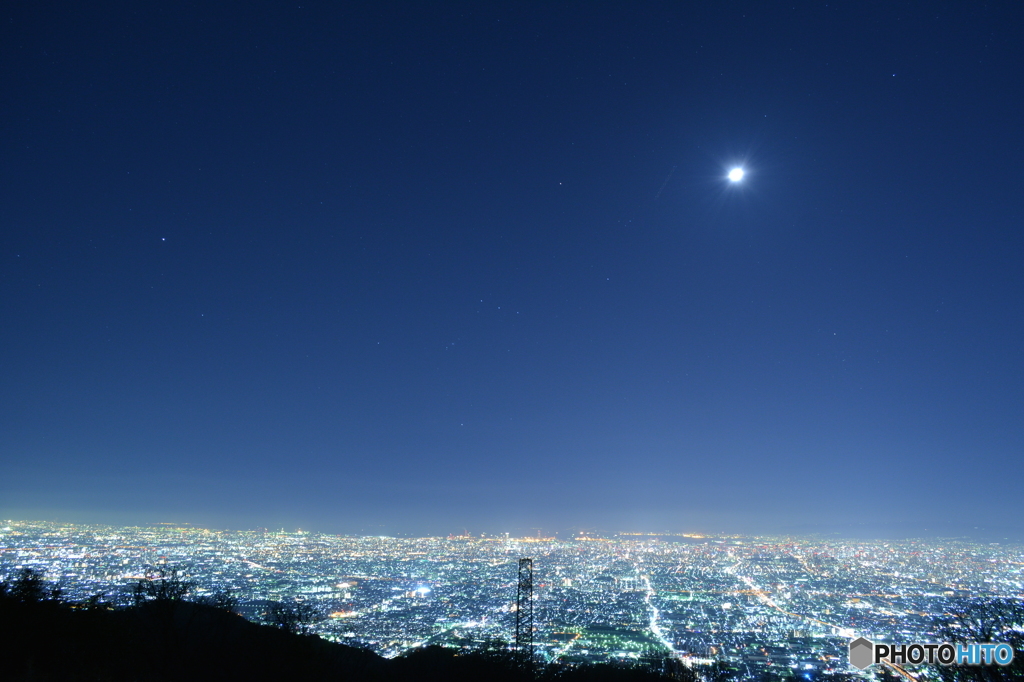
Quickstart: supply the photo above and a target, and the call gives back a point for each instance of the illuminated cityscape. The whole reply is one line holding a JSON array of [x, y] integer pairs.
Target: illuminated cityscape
[[755, 603]]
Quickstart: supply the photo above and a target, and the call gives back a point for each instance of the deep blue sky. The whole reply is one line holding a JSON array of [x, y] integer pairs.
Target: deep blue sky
[[414, 268]]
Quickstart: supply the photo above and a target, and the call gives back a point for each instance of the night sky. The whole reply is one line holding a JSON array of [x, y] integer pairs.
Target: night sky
[[424, 267]]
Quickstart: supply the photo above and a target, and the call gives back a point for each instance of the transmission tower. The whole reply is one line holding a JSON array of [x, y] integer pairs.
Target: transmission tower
[[524, 613]]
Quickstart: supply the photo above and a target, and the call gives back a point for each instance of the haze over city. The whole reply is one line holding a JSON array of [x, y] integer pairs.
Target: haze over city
[[420, 269]]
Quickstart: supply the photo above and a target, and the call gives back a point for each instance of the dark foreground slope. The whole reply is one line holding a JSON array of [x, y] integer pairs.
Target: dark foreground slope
[[161, 641]]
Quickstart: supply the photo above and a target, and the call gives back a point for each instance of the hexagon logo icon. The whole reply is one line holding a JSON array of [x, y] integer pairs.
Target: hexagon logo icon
[[862, 653]]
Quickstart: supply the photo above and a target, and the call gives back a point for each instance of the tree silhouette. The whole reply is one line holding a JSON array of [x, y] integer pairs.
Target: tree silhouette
[[989, 620], [297, 617], [220, 599], [29, 585], [162, 585]]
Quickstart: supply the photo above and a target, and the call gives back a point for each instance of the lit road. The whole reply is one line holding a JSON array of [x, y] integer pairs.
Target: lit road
[[653, 624]]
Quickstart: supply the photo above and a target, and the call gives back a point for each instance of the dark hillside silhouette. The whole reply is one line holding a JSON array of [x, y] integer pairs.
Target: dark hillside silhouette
[[163, 640], [161, 637], [164, 637]]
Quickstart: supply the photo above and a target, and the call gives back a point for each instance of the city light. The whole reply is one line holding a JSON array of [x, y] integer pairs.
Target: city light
[[753, 603]]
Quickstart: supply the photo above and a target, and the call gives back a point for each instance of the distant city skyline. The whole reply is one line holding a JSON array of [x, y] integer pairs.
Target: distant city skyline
[[854, 532]]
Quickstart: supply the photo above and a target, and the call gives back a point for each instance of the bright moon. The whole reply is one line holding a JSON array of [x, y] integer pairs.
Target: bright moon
[[736, 174]]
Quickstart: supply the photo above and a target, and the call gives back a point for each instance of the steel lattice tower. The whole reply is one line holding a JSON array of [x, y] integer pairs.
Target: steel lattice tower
[[524, 613]]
